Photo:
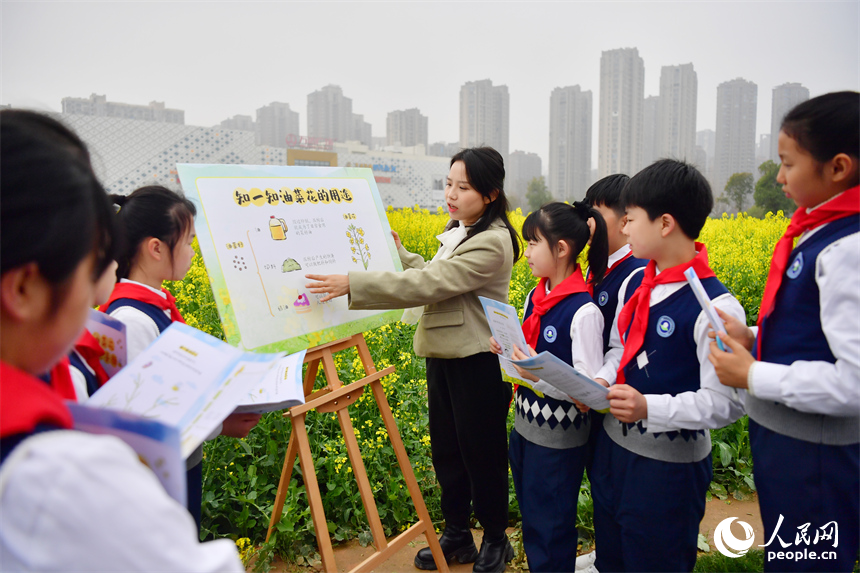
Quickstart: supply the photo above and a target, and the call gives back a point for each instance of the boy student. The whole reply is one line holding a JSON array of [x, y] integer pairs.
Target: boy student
[[803, 386], [652, 463]]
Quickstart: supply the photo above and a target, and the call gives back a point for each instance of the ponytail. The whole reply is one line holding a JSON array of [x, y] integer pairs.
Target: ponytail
[[598, 253]]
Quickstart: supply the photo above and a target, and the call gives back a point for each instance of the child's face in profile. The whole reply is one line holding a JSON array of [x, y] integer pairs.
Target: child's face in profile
[[643, 235], [801, 176]]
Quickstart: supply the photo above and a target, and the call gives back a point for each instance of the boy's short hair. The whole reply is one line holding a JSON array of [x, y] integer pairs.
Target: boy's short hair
[[673, 187], [607, 192]]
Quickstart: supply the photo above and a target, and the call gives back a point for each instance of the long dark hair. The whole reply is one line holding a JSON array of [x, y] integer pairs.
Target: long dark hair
[[485, 170], [53, 210], [826, 126], [562, 222], [152, 211]]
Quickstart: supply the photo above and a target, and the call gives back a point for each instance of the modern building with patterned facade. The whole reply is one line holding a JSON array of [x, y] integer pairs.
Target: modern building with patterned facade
[[128, 154]]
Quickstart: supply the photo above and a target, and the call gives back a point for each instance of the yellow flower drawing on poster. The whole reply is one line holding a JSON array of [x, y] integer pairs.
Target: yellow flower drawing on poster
[[359, 247]]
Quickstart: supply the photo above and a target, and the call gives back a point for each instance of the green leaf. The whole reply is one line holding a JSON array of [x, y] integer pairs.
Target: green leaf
[[244, 445], [718, 490], [725, 454], [702, 544]]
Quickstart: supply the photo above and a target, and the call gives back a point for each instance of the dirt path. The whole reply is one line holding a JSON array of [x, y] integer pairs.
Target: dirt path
[[350, 554]]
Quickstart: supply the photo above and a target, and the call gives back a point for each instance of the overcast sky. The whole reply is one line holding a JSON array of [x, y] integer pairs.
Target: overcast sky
[[216, 60]]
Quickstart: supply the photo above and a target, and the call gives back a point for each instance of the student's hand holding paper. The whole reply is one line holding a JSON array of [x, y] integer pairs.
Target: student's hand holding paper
[[733, 367], [736, 329], [495, 347], [520, 355], [627, 404], [332, 286], [582, 407], [239, 425]]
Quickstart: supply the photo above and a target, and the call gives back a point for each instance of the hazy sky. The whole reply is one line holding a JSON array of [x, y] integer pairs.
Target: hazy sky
[[218, 59]]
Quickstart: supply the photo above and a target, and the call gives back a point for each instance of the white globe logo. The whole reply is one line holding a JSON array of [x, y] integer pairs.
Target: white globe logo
[[728, 544]]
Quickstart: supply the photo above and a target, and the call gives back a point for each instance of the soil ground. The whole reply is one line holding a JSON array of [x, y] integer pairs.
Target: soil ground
[[350, 554]]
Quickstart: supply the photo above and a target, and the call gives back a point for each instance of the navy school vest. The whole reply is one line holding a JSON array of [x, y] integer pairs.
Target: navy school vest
[[82, 367], [544, 420], [161, 320], [606, 294]]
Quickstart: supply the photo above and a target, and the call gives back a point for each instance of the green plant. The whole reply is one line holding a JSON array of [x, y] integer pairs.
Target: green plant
[[732, 459]]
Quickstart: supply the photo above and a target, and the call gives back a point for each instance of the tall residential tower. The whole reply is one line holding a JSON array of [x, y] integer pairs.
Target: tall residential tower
[[622, 95], [485, 116], [570, 111], [735, 139], [785, 97]]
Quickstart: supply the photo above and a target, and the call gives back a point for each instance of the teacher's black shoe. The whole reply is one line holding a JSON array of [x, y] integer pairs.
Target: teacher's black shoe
[[494, 556], [456, 542]]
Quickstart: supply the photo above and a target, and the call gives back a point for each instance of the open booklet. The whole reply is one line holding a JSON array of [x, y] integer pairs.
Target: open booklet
[[505, 326], [193, 381]]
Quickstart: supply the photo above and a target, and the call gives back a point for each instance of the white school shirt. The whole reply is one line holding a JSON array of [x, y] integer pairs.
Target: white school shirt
[[140, 329], [71, 502], [712, 405], [816, 386], [586, 346]]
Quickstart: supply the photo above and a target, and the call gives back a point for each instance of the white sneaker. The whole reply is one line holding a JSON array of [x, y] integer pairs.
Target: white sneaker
[[585, 563]]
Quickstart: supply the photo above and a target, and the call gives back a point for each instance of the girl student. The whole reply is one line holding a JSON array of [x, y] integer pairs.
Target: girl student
[[68, 500], [548, 442], [158, 229], [468, 400], [801, 369]]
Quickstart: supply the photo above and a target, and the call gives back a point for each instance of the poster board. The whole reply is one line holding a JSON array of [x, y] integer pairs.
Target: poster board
[[261, 228]]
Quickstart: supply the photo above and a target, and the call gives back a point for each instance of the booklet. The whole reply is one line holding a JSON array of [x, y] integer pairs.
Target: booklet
[[110, 334], [505, 327], [280, 389], [561, 375], [193, 381], [707, 307], [156, 444]]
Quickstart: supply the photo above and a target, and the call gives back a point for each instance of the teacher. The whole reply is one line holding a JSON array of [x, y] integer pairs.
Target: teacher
[[468, 400]]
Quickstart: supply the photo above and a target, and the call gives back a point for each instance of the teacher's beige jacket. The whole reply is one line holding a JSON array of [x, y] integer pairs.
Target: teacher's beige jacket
[[453, 324]]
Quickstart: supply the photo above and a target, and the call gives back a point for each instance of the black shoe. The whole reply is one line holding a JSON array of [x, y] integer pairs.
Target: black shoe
[[494, 556], [456, 543]]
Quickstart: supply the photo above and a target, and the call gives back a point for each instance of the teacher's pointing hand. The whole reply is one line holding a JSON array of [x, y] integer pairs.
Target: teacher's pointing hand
[[332, 286]]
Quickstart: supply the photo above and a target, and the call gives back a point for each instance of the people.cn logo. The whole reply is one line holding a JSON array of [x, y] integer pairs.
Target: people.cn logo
[[727, 543]]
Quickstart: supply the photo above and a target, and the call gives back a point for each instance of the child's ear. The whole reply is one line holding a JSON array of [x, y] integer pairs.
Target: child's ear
[[667, 224], [562, 249], [24, 293], [155, 248], [843, 168]]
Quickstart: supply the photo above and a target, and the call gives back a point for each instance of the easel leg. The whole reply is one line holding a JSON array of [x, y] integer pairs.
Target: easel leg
[[284, 484]]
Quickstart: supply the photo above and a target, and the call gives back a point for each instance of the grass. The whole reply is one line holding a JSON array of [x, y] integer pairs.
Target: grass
[[716, 561]]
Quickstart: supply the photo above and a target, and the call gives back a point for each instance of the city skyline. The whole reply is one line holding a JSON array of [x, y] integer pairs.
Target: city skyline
[[102, 54]]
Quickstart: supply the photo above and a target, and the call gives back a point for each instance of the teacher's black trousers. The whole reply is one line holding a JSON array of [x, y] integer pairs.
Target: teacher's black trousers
[[468, 409]]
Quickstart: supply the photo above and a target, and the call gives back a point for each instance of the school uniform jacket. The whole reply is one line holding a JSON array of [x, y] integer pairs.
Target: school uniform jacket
[[453, 324]]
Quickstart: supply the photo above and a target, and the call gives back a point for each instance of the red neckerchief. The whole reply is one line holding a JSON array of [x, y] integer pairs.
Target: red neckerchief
[[638, 307], [590, 280], [61, 379], [91, 351], [144, 294], [28, 402], [543, 302], [843, 205]]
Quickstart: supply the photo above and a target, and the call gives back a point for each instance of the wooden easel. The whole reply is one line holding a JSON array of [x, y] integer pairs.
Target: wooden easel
[[335, 397]]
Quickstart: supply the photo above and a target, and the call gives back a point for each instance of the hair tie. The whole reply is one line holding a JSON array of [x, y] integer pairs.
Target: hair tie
[[582, 209]]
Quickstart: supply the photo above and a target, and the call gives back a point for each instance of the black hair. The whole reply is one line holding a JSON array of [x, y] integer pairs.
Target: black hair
[[673, 187], [607, 192], [562, 222], [826, 126], [152, 211], [54, 210], [485, 170]]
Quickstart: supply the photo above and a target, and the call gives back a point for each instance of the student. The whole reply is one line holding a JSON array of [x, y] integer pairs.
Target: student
[[549, 438], [803, 380], [468, 400], [69, 501], [652, 463], [158, 230]]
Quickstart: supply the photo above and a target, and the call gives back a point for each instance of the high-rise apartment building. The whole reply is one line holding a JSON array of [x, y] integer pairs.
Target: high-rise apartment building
[[485, 116], [785, 97], [406, 128], [361, 130], [735, 138], [240, 122], [650, 129], [330, 114], [520, 168], [676, 132], [98, 105], [570, 111], [275, 122], [622, 96], [706, 139]]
